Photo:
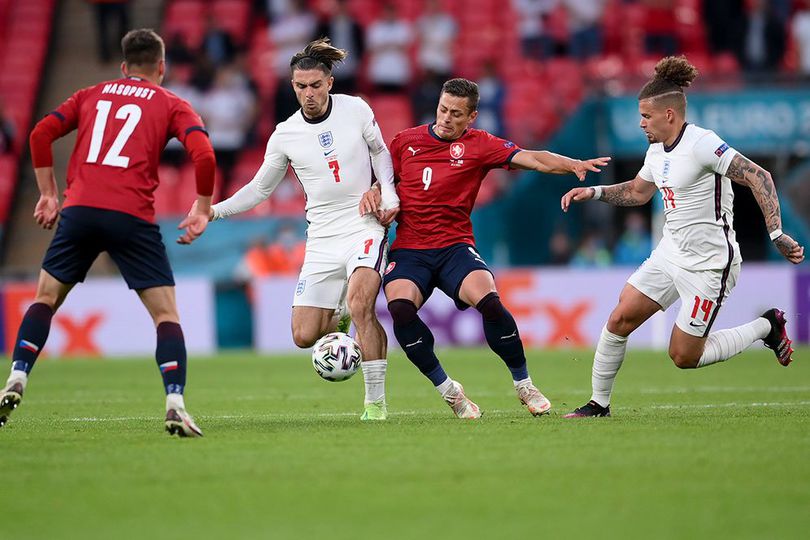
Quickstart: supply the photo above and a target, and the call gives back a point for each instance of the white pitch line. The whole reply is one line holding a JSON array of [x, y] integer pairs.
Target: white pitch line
[[645, 391], [426, 412]]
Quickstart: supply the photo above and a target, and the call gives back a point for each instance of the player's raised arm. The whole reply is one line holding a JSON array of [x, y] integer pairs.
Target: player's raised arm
[[549, 162], [746, 172], [42, 137], [266, 179], [202, 155], [634, 192]]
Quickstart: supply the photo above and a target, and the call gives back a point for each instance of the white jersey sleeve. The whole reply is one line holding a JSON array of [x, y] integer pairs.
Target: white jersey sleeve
[[266, 179], [646, 173], [380, 158], [713, 153]]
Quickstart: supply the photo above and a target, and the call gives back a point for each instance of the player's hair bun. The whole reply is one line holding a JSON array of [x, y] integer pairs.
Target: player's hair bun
[[676, 70]]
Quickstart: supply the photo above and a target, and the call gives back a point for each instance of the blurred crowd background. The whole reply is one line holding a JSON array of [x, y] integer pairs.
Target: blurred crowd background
[[539, 63]]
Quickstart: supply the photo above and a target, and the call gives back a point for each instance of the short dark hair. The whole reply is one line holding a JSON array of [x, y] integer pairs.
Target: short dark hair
[[672, 75], [319, 54], [463, 88], [143, 47]]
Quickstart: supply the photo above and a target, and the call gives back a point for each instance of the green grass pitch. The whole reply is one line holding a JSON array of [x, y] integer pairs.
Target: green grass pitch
[[722, 452]]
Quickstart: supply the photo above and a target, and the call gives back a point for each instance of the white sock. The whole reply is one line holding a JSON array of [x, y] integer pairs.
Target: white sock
[[445, 386], [606, 363], [374, 376], [17, 375], [527, 380], [723, 344], [175, 401]]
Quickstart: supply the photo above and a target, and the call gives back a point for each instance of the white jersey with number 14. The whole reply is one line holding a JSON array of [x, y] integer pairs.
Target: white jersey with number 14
[[698, 200]]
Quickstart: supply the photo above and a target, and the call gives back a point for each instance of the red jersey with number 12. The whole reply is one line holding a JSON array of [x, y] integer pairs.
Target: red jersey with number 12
[[123, 127], [438, 181]]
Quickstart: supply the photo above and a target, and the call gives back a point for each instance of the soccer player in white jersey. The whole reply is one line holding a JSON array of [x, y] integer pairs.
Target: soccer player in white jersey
[[698, 259], [333, 143]]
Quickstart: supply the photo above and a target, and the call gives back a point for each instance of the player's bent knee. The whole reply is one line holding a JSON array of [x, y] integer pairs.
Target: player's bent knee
[[304, 338], [683, 360], [619, 324], [402, 311]]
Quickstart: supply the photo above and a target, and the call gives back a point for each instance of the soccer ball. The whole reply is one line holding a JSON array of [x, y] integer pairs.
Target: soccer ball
[[336, 357]]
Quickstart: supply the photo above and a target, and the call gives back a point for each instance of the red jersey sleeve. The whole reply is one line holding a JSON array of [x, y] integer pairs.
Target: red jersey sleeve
[[396, 156], [184, 120], [497, 152], [56, 124]]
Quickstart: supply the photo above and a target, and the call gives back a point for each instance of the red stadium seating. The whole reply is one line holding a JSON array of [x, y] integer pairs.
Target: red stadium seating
[[393, 114], [25, 28]]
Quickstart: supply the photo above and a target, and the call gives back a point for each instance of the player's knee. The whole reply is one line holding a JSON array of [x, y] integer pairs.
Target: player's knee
[[304, 337], [361, 309], [491, 307], [402, 311], [683, 359], [619, 324]]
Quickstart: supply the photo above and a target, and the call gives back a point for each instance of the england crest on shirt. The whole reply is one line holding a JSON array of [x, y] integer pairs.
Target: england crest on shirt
[[325, 139]]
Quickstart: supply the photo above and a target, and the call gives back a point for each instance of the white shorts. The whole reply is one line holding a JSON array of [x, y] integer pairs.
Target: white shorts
[[329, 262], [702, 292]]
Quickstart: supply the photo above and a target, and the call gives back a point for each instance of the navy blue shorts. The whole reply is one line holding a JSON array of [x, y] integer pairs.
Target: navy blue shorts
[[444, 268], [135, 245]]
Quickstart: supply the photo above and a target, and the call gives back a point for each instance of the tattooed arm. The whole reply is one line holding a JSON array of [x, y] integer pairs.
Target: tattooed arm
[[634, 192], [746, 172]]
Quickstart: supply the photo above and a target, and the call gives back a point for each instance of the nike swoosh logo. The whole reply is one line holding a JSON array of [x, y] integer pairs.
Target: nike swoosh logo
[[693, 324], [513, 334], [329, 152], [361, 258], [417, 342]]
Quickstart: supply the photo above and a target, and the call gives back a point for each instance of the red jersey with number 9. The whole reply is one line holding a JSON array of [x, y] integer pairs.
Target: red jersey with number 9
[[438, 181], [122, 129]]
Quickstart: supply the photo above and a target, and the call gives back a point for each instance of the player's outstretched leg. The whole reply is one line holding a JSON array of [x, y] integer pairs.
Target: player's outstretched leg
[[503, 338], [171, 359], [777, 339], [31, 337], [606, 363], [417, 341], [769, 327]]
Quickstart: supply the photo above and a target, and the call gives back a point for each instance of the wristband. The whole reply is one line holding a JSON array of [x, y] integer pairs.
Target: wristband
[[597, 192], [776, 234]]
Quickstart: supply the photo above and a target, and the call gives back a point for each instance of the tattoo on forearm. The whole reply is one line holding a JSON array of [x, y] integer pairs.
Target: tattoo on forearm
[[745, 172], [620, 195]]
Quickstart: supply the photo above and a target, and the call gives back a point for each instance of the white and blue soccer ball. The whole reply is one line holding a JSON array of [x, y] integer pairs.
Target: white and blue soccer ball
[[336, 357]]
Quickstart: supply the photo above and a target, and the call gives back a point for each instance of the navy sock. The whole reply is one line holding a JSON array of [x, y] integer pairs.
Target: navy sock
[[416, 340], [502, 335], [171, 356], [31, 337]]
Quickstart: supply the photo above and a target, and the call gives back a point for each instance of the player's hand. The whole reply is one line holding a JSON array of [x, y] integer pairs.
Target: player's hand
[[194, 224], [386, 217], [581, 167], [46, 211], [579, 194], [370, 202], [790, 249], [193, 210]]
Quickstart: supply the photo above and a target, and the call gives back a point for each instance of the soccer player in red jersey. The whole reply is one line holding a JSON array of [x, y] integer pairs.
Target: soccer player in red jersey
[[122, 126], [439, 169]]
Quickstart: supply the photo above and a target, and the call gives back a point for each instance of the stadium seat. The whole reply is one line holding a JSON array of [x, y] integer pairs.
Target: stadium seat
[[393, 113], [233, 16], [187, 18]]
